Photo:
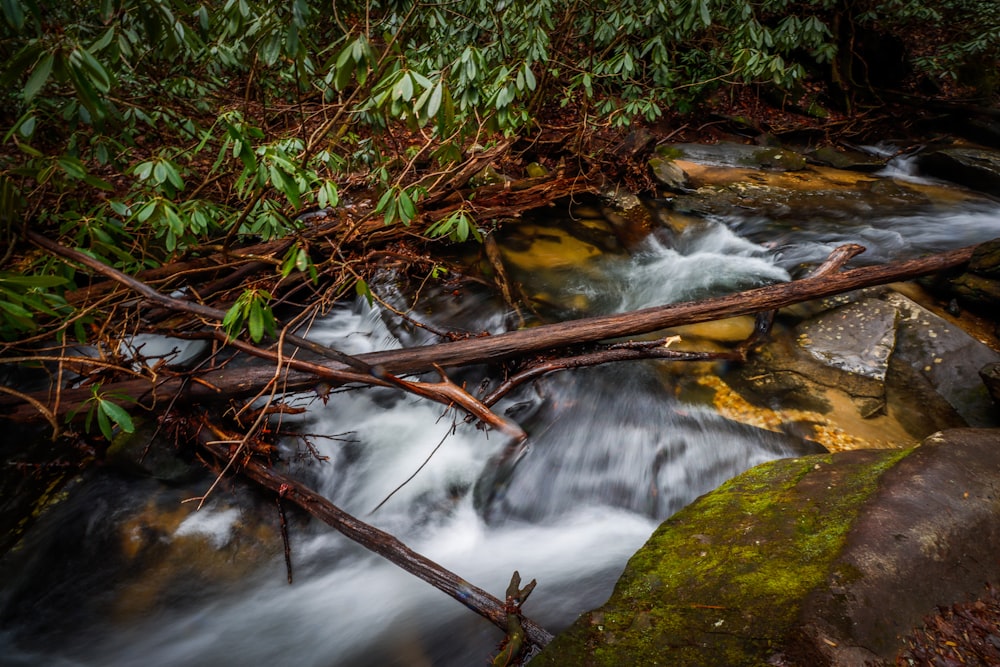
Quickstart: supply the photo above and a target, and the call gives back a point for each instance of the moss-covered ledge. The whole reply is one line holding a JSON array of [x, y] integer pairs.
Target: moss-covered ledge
[[775, 561]]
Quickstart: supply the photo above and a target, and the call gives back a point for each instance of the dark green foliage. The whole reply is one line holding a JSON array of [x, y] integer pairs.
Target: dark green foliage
[[123, 112]]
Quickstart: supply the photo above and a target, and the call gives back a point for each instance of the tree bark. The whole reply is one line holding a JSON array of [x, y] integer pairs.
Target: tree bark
[[228, 383]]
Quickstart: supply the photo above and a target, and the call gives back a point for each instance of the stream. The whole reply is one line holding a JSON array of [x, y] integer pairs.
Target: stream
[[122, 572]]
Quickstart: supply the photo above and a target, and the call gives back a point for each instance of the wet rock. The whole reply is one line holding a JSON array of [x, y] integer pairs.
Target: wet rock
[[737, 155], [875, 356], [979, 286], [778, 159], [723, 153], [906, 388], [793, 196], [668, 173], [145, 453], [986, 259], [857, 338], [846, 348], [880, 346], [820, 560], [946, 357], [976, 168], [928, 537], [852, 160]]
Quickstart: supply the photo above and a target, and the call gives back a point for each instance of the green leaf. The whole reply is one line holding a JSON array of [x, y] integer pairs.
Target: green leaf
[[403, 90], [98, 183], [27, 127], [15, 310], [143, 170], [256, 322], [13, 13], [434, 103], [38, 77], [98, 75], [302, 260], [328, 195], [118, 415], [33, 281], [233, 320], [105, 40], [174, 176], [529, 77], [72, 166], [361, 288], [103, 422], [407, 209]]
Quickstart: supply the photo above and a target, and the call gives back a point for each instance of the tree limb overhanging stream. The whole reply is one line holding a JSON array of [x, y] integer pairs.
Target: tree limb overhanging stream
[[223, 384]]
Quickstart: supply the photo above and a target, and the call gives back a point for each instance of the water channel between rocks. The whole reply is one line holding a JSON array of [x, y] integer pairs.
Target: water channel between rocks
[[120, 572]]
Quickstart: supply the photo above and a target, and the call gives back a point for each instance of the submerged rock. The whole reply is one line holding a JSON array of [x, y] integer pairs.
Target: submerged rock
[[819, 560]]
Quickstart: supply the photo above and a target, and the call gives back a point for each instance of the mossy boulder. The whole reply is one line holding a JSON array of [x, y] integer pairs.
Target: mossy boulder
[[820, 560]]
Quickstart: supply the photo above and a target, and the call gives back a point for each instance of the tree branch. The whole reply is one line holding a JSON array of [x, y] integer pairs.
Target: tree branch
[[373, 539]]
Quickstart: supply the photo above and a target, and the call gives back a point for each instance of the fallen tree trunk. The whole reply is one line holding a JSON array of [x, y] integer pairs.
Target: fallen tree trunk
[[248, 381]]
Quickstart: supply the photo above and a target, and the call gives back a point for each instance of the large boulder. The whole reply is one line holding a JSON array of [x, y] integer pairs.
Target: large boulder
[[820, 560]]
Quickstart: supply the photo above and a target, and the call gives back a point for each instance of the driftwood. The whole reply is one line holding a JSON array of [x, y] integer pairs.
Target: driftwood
[[248, 381], [213, 440]]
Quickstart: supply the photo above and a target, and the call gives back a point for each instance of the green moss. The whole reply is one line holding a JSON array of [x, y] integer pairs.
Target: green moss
[[670, 152], [721, 581]]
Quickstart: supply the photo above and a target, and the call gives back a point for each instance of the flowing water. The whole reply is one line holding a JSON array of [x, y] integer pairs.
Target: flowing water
[[611, 452]]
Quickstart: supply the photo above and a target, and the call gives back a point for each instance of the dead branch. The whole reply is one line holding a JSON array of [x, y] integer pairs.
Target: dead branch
[[513, 645], [373, 539], [445, 392], [179, 305]]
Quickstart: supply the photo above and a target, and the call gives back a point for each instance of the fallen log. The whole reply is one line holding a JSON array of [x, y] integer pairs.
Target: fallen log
[[227, 383]]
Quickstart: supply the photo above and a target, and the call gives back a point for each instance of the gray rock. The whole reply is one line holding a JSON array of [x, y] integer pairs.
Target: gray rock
[[857, 338], [947, 358], [668, 173]]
